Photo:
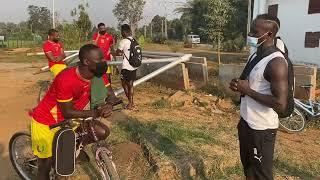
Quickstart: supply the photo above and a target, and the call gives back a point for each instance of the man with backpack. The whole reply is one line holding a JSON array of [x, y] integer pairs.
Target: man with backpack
[[266, 88], [132, 57]]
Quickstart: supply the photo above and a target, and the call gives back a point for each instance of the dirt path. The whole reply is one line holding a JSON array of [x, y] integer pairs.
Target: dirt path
[[18, 91]]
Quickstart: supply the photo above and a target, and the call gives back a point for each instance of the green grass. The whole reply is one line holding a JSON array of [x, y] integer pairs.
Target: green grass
[[19, 44], [161, 104], [292, 169], [8, 57]]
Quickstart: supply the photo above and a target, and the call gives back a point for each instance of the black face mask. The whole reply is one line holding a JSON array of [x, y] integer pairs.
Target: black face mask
[[102, 32], [101, 69]]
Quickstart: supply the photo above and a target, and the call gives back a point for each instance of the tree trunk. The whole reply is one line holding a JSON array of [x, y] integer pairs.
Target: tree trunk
[[166, 28], [151, 30], [145, 31], [162, 28], [218, 52]]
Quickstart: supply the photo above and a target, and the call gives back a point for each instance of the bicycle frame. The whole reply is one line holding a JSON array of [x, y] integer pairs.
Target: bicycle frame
[[309, 107]]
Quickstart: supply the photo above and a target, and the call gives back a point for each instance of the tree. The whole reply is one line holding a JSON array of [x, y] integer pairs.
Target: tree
[[129, 11], [83, 23], [176, 29], [217, 18], [193, 13], [39, 19]]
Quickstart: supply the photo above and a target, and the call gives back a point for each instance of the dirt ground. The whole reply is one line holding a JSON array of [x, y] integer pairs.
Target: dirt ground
[[192, 135]]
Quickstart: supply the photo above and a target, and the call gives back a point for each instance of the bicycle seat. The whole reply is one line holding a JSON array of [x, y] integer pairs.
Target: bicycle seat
[[307, 86]]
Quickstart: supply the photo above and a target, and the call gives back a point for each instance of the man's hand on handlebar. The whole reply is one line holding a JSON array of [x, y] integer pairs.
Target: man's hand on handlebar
[[104, 111]]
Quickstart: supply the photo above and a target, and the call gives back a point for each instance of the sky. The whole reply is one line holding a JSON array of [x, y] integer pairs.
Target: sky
[[99, 10]]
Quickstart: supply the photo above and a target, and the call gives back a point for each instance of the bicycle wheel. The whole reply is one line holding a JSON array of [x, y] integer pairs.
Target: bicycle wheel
[[21, 156], [111, 168], [295, 123], [43, 90], [105, 164]]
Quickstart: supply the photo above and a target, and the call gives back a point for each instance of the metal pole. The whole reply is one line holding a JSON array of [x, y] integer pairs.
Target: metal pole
[[157, 72], [53, 15], [67, 58]]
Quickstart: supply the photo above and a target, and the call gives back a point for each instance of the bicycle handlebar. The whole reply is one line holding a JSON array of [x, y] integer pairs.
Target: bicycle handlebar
[[69, 121]]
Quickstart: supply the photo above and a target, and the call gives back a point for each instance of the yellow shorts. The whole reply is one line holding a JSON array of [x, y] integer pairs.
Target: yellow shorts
[[109, 71], [57, 68], [42, 139]]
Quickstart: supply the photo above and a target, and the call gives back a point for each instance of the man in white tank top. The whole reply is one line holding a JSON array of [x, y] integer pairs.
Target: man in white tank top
[[264, 94]]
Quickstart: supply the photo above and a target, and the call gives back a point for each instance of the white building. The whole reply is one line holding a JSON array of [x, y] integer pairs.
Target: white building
[[300, 26]]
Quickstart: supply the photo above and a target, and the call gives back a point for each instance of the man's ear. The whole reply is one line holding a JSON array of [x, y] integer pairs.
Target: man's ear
[[86, 62]]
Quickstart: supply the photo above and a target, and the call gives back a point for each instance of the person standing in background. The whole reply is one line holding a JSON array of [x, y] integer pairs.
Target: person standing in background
[[53, 50], [105, 41]]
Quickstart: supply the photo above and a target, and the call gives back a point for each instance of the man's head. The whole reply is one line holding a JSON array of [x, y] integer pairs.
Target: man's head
[[53, 35], [91, 57], [263, 29], [125, 31], [102, 28]]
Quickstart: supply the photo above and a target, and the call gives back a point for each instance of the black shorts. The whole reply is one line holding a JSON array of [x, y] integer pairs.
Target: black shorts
[[127, 75], [256, 151]]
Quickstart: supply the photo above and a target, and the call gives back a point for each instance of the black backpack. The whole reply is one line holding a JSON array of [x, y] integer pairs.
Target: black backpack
[[279, 44], [254, 61], [135, 57]]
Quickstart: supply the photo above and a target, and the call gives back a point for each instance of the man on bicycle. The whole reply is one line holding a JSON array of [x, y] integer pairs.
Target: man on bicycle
[[53, 50], [66, 99]]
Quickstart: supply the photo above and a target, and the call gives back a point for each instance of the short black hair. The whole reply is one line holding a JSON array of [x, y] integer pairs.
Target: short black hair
[[85, 50], [126, 28], [101, 24], [269, 17], [52, 31]]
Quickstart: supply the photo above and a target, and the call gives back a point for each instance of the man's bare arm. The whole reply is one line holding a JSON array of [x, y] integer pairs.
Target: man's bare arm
[[277, 74], [69, 112], [55, 59]]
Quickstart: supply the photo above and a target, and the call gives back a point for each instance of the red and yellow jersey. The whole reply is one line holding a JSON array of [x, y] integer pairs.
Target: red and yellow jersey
[[68, 86], [55, 48], [104, 42]]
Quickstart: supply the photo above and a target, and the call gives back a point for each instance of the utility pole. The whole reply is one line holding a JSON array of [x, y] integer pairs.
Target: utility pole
[[53, 15]]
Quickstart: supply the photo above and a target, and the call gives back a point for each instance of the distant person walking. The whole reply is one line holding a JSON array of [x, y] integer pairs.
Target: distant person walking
[[105, 41], [128, 72], [53, 50], [264, 91]]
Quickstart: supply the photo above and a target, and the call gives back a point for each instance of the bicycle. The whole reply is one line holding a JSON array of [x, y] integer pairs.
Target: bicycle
[[297, 121], [25, 163]]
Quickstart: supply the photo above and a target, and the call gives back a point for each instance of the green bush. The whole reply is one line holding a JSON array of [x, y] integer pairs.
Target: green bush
[[141, 41], [174, 46], [234, 45], [159, 39]]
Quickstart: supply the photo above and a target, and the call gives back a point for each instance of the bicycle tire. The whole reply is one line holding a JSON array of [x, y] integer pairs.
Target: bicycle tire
[[286, 124], [43, 90], [22, 175], [110, 166]]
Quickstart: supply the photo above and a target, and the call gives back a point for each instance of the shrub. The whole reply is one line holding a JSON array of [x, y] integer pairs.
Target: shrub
[[174, 46], [159, 39], [141, 41], [234, 45]]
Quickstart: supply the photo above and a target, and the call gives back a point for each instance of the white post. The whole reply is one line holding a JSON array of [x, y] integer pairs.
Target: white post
[[249, 16], [157, 72], [53, 15]]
